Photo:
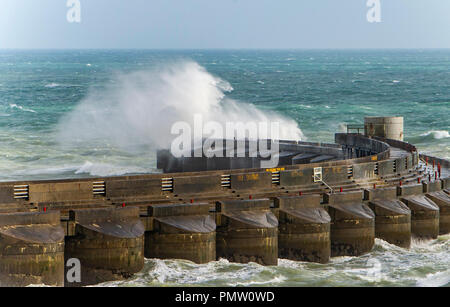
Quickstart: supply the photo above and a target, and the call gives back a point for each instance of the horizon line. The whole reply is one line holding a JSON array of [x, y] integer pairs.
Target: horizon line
[[223, 49]]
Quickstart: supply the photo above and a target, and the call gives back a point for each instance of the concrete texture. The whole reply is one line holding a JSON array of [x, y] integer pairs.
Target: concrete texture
[[352, 224], [304, 229], [181, 231], [31, 249], [108, 242], [247, 231]]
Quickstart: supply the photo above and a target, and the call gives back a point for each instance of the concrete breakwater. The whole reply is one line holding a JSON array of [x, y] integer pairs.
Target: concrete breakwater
[[369, 188]]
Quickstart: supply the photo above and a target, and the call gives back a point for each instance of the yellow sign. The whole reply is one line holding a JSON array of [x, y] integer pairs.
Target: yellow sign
[[274, 170]]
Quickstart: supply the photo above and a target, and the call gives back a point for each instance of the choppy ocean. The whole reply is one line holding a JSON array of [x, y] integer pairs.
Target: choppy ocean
[[68, 114]]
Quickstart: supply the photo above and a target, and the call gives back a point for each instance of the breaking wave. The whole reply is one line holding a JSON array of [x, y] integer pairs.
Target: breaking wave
[[141, 107], [437, 135], [425, 264], [19, 107]]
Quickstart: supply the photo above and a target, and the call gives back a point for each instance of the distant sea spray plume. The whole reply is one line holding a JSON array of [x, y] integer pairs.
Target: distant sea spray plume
[[137, 110]]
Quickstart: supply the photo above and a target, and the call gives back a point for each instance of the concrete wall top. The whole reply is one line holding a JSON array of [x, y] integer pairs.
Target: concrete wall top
[[243, 205], [381, 193], [294, 202], [433, 186], [30, 218], [342, 198], [411, 189], [103, 214], [178, 209]]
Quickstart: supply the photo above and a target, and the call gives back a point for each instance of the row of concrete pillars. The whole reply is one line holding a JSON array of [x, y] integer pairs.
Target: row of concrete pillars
[[111, 243]]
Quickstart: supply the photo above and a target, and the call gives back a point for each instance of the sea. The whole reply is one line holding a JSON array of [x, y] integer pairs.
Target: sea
[[90, 113]]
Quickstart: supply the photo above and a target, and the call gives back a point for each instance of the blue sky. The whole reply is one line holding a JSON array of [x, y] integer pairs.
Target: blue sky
[[227, 24]]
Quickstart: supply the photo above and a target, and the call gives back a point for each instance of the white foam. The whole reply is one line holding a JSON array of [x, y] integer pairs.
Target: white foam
[[19, 107], [438, 279], [437, 134], [52, 85], [104, 169]]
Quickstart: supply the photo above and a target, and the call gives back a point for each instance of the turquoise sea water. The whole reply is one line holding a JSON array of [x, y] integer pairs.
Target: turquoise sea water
[[82, 113], [66, 114]]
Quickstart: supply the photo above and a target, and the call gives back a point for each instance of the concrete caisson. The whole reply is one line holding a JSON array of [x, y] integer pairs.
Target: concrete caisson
[[304, 229], [31, 249], [109, 243], [247, 231], [442, 199], [392, 217], [181, 231], [352, 224], [424, 212], [385, 127]]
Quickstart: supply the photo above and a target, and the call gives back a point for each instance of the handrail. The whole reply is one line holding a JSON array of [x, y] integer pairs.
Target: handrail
[[326, 184]]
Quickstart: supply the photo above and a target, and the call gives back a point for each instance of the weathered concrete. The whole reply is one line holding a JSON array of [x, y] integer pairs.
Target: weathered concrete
[[352, 224], [446, 183], [55, 192], [433, 186], [109, 243], [409, 190], [424, 212], [363, 171], [335, 174], [181, 231], [392, 217], [247, 232], [196, 184], [296, 177], [132, 188], [386, 127], [304, 229], [386, 168], [442, 199], [249, 181], [31, 249], [400, 165]]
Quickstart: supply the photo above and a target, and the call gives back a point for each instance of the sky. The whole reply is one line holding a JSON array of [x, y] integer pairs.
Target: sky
[[224, 24]]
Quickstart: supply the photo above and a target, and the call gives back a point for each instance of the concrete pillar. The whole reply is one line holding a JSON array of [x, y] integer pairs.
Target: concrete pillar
[[31, 249], [352, 224], [304, 229], [432, 186], [446, 184], [424, 212], [442, 199], [247, 232], [109, 243], [182, 231], [392, 217], [385, 127]]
